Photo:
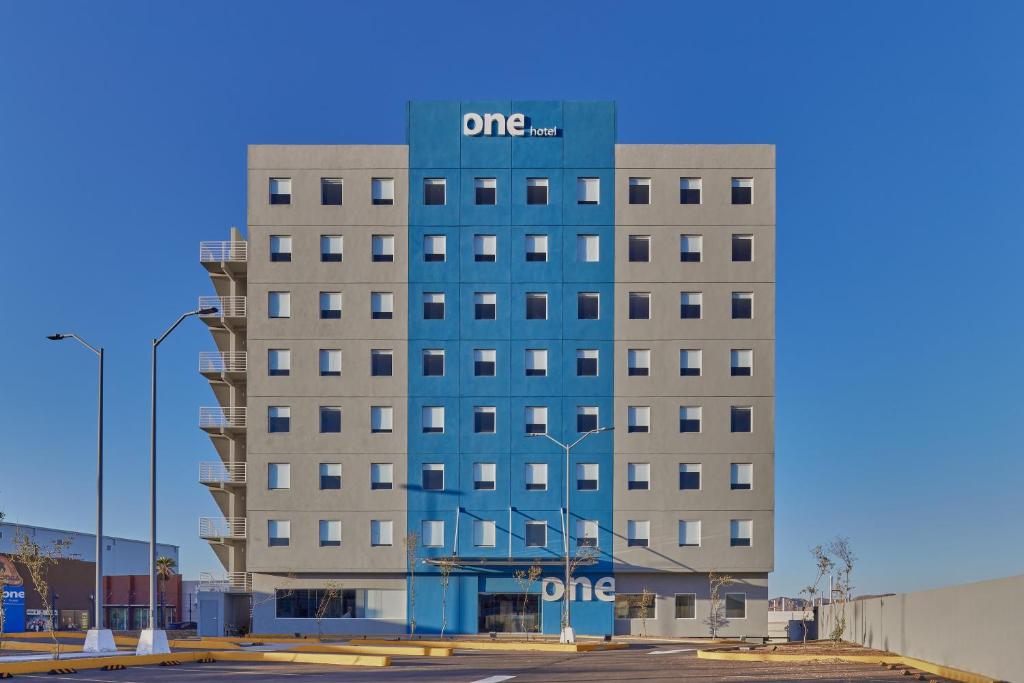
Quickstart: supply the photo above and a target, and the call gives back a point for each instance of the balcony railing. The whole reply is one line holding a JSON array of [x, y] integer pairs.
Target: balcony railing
[[212, 417], [223, 252], [222, 473], [232, 582], [223, 361], [222, 527], [227, 306]]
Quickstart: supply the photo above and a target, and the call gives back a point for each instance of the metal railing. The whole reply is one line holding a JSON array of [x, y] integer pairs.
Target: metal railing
[[222, 473], [227, 306], [222, 527], [223, 361], [216, 416], [238, 582], [219, 252]]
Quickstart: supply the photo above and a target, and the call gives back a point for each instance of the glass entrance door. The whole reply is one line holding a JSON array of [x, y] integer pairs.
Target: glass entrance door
[[508, 612]]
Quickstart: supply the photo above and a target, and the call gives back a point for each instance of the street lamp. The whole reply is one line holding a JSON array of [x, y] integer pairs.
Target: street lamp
[[568, 635], [98, 639], [153, 640]]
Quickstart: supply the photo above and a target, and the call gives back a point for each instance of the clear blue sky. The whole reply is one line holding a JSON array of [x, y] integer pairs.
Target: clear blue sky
[[122, 144]]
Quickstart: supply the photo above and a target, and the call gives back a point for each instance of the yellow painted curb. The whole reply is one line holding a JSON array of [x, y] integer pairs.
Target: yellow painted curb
[[61, 635], [86, 663], [498, 646], [302, 658], [398, 650], [36, 647], [202, 645]]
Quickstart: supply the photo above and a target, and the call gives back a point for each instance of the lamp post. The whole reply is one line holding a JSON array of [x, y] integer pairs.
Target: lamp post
[[153, 640], [568, 635], [98, 639]]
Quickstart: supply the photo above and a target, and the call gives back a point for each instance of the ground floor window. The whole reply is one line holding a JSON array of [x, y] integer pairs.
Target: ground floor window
[[508, 613], [686, 606], [117, 618], [348, 603], [635, 606], [735, 605]]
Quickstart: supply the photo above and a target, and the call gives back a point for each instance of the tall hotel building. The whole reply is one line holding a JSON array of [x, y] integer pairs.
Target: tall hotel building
[[400, 319]]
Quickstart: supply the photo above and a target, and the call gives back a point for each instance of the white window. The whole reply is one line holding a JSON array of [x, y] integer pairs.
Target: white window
[[280, 190], [279, 419], [741, 362], [484, 419], [280, 248], [536, 191], [331, 191], [638, 533], [279, 475], [588, 190], [588, 248], [741, 419], [587, 476], [383, 248], [735, 605], [742, 190], [486, 191], [689, 190], [485, 247], [689, 476], [689, 532], [689, 305], [433, 305], [330, 362], [639, 419], [382, 476], [536, 247], [639, 362], [686, 605], [639, 190], [742, 305], [381, 419], [382, 305], [485, 305], [690, 362], [330, 476], [434, 247], [432, 477], [330, 305], [535, 475], [279, 532], [586, 363], [587, 418], [741, 476], [484, 362], [279, 304], [279, 362], [689, 419], [690, 248], [536, 362], [742, 248], [433, 419], [330, 533], [434, 191], [586, 532], [639, 476], [331, 248], [741, 532], [484, 474], [383, 191], [381, 532], [536, 534], [433, 533], [639, 305], [640, 248], [483, 533], [536, 420], [536, 306]]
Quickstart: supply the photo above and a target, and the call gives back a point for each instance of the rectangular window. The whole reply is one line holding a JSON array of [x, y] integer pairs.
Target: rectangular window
[[433, 476], [740, 532], [279, 304], [484, 474], [536, 191], [741, 476], [330, 305], [383, 191], [639, 476], [639, 248], [536, 306], [689, 533], [330, 362], [432, 531], [330, 420], [279, 476], [536, 420], [689, 476], [638, 362], [536, 534], [735, 605], [484, 361], [331, 248], [330, 191], [483, 533], [483, 419], [381, 532], [330, 533], [330, 476], [586, 476], [638, 533], [382, 476], [742, 305], [639, 418], [639, 190], [433, 362], [382, 305], [485, 248], [586, 418], [639, 305], [382, 419], [690, 361], [279, 362], [381, 362], [486, 191], [742, 190], [280, 190], [690, 248], [741, 362], [588, 190], [535, 476], [586, 533], [279, 532], [485, 305], [536, 362], [631, 606], [686, 605], [689, 305], [741, 419], [588, 248], [588, 306], [433, 305], [433, 419], [279, 419], [382, 248], [536, 247], [280, 248], [435, 248], [742, 248], [689, 190], [586, 362], [434, 191], [689, 419]]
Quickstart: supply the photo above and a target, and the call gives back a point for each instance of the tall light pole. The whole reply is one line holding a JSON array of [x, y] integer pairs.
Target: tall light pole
[[568, 635], [98, 639], [153, 640]]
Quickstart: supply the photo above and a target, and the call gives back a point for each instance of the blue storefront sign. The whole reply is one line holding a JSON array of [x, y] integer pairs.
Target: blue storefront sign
[[14, 608]]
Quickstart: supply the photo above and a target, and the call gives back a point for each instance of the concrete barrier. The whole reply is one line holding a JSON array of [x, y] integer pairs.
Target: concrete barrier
[[506, 646]]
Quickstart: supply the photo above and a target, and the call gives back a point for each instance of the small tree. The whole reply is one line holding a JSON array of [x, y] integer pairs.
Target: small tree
[[642, 602], [412, 540], [446, 565], [329, 594], [38, 560], [585, 555], [823, 564], [841, 555], [526, 578], [716, 615], [255, 602], [165, 567]]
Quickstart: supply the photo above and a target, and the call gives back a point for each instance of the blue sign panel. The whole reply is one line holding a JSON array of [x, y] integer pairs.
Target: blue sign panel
[[14, 608]]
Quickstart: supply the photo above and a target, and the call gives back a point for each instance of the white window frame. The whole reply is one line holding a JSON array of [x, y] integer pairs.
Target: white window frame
[[588, 190], [584, 528], [380, 469], [382, 419], [432, 531], [535, 473], [333, 528], [327, 364], [279, 473], [588, 248], [536, 359], [430, 416], [382, 533], [638, 472], [638, 530], [382, 188], [484, 530], [675, 610], [281, 302], [684, 526]]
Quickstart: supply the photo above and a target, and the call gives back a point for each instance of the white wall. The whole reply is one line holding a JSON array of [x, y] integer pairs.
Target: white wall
[[121, 556]]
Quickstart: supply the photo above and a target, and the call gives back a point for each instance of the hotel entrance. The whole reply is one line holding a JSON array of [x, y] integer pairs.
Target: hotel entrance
[[505, 613]]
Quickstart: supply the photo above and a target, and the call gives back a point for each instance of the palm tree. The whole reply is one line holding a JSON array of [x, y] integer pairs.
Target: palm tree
[[165, 567]]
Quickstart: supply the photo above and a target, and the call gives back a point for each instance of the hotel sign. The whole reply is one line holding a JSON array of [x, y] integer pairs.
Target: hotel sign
[[499, 125], [603, 589]]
